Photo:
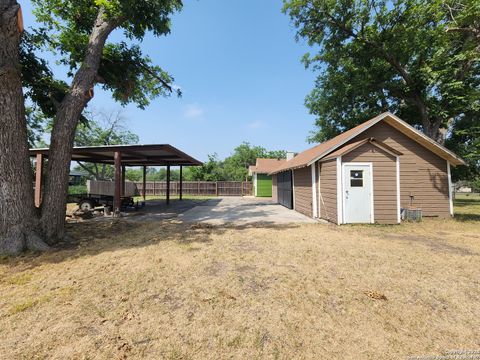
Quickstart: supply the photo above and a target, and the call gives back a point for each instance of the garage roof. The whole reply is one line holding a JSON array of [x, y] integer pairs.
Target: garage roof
[[319, 151], [264, 166], [131, 155]]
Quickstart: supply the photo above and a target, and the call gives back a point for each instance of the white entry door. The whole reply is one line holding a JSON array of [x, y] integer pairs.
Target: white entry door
[[357, 193]]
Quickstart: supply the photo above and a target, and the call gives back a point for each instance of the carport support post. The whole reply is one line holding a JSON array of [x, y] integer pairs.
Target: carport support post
[[123, 180], [181, 182], [117, 202], [144, 185], [168, 184], [38, 179]]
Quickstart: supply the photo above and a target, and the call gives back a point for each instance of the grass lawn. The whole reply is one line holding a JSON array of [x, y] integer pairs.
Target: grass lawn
[[173, 291], [467, 207]]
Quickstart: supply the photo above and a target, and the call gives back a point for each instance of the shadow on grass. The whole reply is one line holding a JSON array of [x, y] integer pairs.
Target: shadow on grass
[[467, 202], [467, 209], [466, 217], [91, 238]]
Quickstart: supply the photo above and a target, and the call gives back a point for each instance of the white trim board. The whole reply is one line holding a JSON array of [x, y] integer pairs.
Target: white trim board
[[372, 207], [314, 192], [339, 191], [319, 197], [399, 220], [450, 195]]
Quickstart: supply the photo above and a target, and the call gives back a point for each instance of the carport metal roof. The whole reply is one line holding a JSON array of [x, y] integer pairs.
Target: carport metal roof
[[121, 156], [132, 155]]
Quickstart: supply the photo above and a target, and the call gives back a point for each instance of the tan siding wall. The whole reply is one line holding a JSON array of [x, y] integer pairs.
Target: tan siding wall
[[328, 190], [303, 190], [274, 189], [384, 180], [423, 174]]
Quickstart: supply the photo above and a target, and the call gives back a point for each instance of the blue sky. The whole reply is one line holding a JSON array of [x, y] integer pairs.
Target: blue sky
[[238, 65]]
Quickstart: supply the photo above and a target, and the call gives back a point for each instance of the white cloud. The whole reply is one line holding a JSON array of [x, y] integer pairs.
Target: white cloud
[[255, 125], [193, 111]]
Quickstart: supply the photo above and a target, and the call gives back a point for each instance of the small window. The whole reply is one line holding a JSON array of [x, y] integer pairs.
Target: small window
[[356, 178]]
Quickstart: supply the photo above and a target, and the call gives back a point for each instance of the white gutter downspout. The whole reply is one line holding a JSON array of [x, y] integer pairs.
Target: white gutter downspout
[[399, 219], [339, 191], [450, 195], [314, 192]]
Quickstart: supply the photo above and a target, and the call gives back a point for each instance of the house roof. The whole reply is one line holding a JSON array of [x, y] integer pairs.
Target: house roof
[[265, 166], [319, 151]]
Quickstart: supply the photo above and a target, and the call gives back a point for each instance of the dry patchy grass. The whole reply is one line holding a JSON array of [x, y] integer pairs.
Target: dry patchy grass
[[313, 291]]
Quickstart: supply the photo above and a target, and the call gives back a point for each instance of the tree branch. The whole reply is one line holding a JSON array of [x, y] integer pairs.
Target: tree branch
[[87, 169], [152, 73], [414, 94]]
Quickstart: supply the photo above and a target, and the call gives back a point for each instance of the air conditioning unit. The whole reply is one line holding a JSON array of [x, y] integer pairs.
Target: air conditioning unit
[[412, 214]]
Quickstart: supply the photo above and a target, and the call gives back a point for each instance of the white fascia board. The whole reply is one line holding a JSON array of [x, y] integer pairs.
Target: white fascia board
[[450, 195], [398, 190], [339, 191], [314, 192]]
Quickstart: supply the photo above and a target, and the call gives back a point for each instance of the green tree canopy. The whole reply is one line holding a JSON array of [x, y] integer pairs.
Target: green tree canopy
[[233, 167], [103, 128], [416, 58]]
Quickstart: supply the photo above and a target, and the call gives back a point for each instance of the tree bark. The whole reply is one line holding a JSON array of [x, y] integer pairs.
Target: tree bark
[[63, 133], [18, 218]]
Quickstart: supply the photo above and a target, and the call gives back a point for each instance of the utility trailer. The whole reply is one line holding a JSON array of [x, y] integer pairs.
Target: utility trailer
[[88, 202]]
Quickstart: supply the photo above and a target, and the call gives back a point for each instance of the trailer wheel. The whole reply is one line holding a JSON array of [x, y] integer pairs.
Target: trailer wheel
[[86, 205]]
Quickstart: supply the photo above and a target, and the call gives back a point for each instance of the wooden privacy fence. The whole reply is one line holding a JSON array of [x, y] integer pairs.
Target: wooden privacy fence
[[198, 188], [108, 188]]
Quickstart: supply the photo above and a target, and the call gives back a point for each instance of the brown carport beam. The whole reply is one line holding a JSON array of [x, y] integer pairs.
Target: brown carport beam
[[38, 179], [168, 184], [117, 201]]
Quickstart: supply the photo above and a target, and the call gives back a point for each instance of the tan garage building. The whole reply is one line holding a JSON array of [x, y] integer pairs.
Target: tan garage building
[[369, 174]]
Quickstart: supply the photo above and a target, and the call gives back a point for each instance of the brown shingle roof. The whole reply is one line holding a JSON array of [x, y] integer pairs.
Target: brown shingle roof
[[315, 153], [265, 166]]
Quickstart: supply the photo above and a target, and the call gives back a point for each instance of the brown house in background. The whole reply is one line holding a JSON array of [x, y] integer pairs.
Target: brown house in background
[[368, 175]]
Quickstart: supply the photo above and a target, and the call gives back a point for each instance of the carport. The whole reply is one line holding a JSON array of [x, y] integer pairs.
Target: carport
[[121, 156]]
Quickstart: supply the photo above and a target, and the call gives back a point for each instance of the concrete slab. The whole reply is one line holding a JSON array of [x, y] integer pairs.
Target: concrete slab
[[242, 210]]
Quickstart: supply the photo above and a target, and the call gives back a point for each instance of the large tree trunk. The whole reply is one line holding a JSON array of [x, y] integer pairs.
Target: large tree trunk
[[65, 123], [18, 218]]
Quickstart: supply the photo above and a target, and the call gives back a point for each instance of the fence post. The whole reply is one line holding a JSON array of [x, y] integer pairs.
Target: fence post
[[154, 190]]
